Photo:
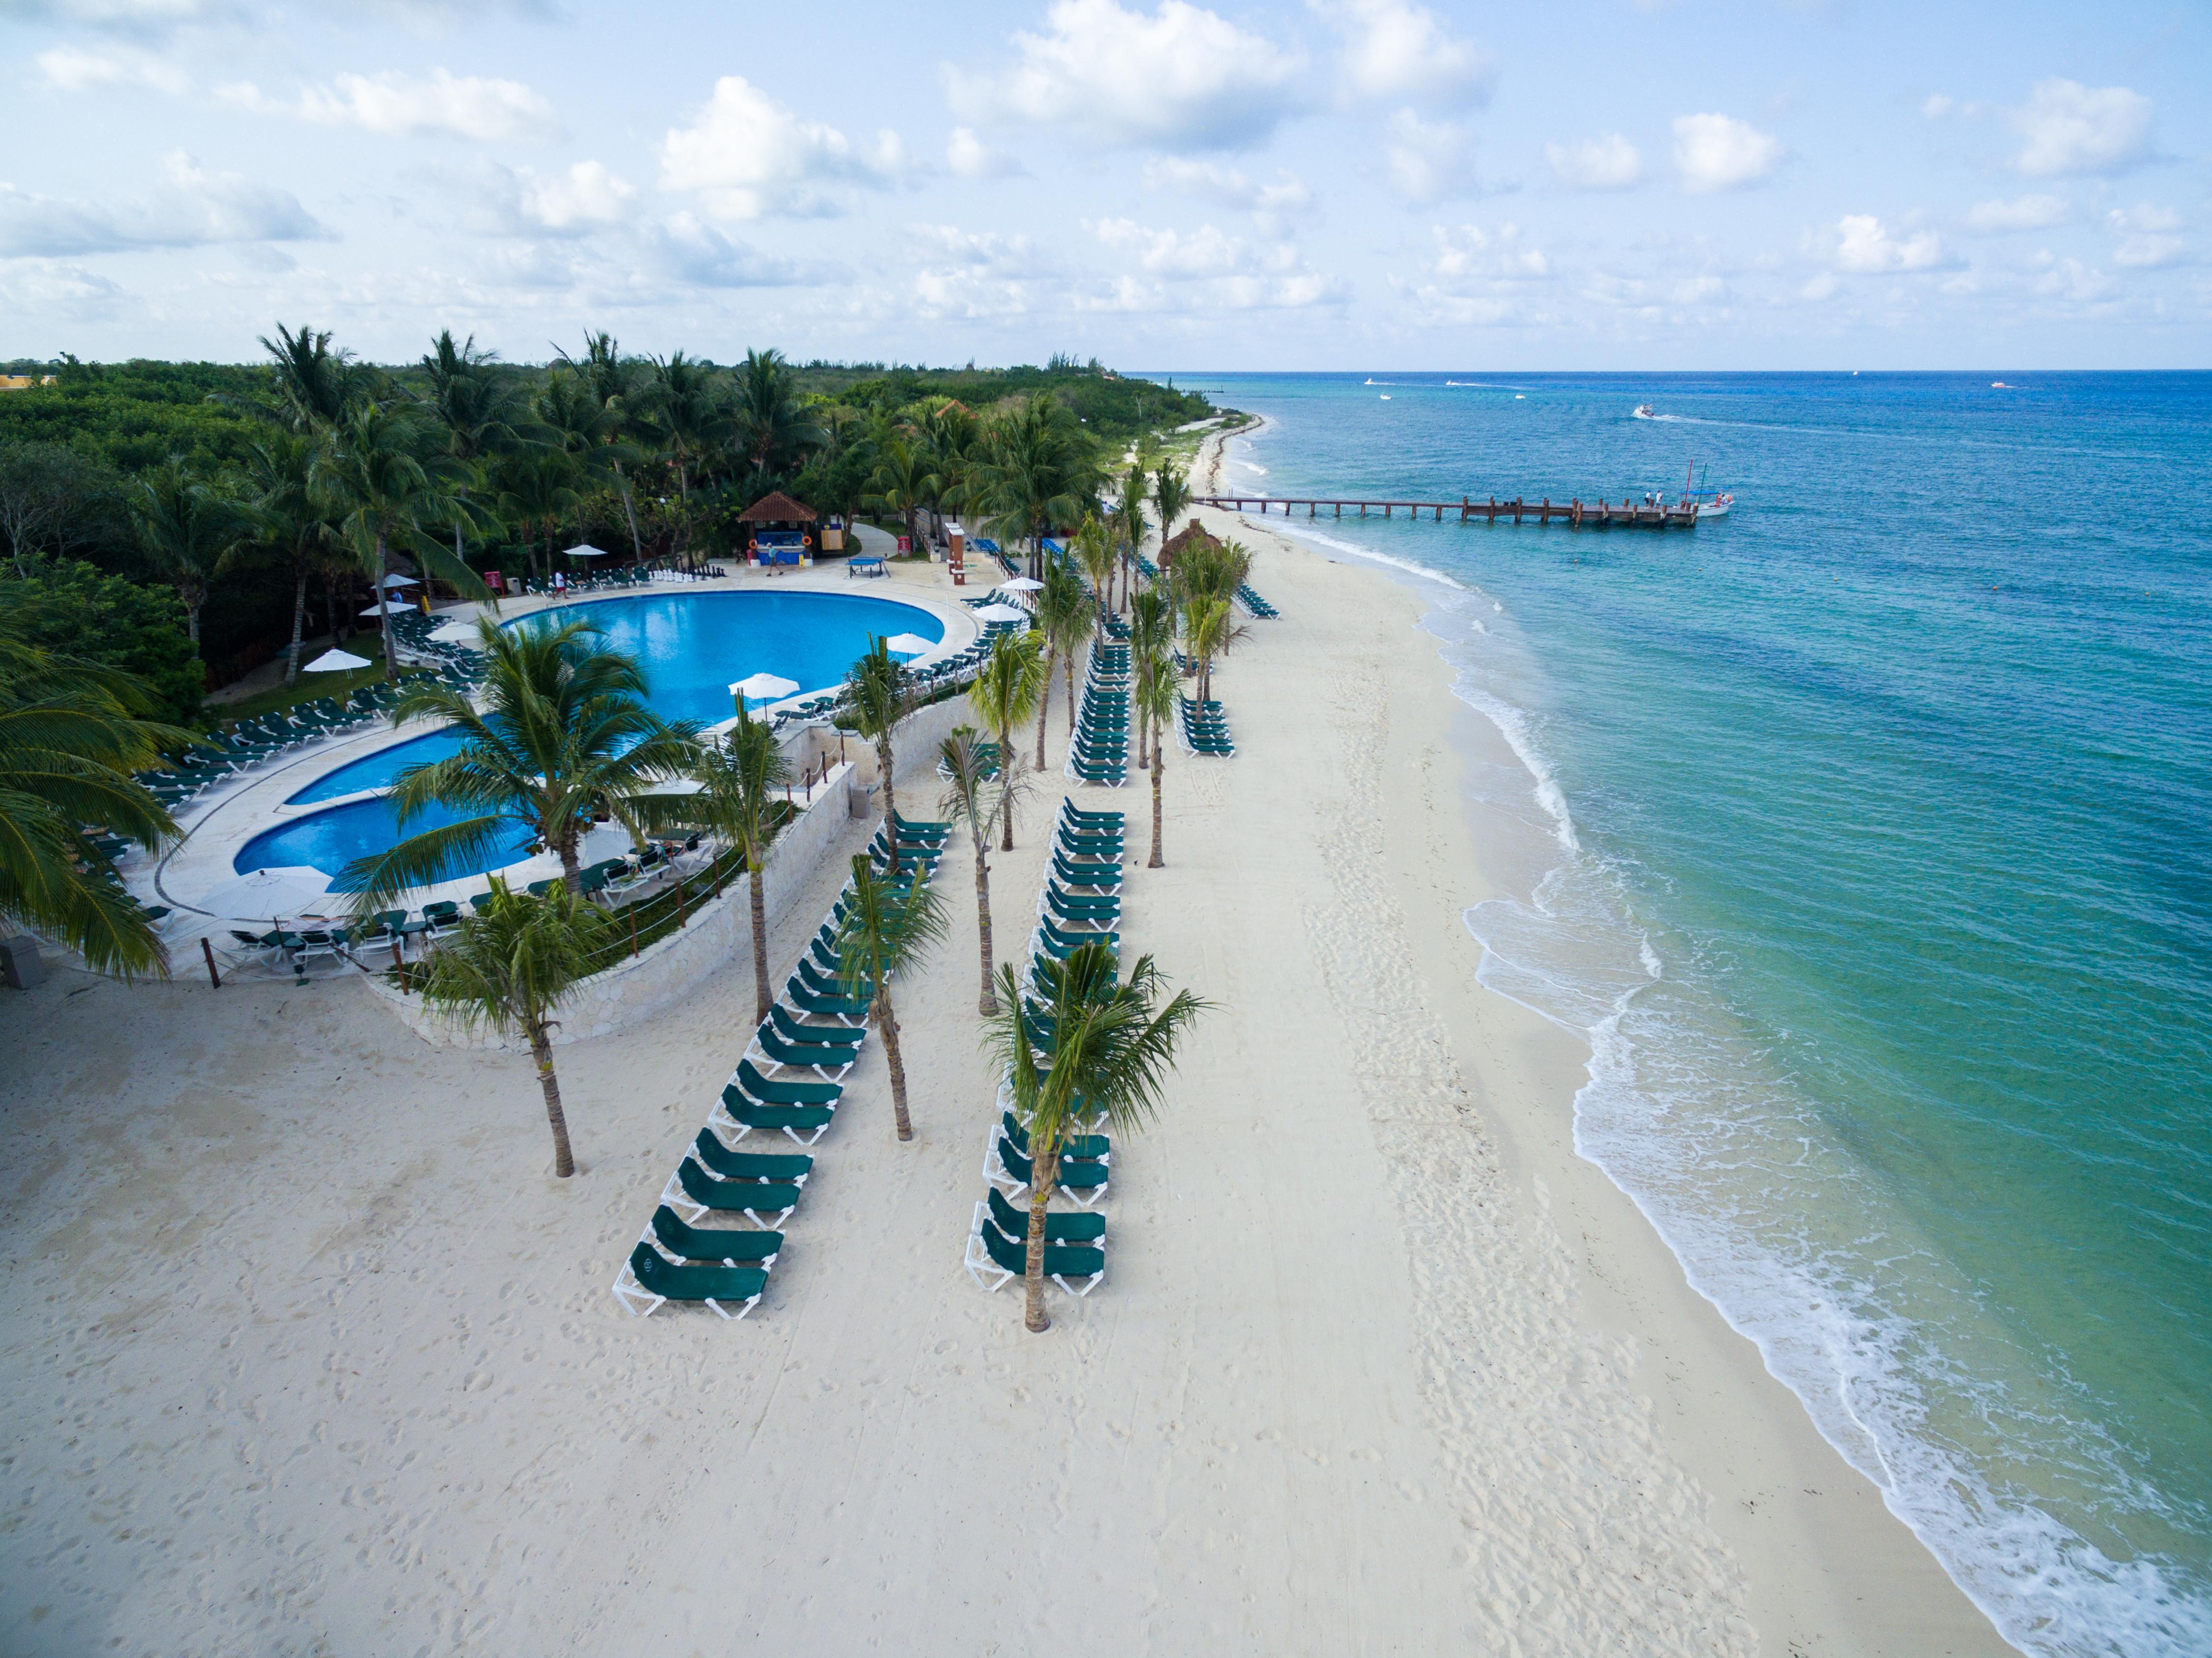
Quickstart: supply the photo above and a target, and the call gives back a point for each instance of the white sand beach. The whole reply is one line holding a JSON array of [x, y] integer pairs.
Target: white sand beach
[[304, 1350]]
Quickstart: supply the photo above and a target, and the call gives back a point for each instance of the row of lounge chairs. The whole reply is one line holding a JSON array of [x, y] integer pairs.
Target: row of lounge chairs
[[1099, 751], [789, 1079], [1203, 728], [1079, 902], [1253, 602]]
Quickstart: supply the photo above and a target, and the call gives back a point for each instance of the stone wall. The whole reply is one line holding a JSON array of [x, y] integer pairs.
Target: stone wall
[[717, 934]]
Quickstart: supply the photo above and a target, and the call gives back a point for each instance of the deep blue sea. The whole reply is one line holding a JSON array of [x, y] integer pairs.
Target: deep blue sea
[[1873, 835]]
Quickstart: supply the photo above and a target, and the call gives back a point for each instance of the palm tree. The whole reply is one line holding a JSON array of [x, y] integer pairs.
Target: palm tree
[[183, 528], [1036, 471], [1155, 689], [1006, 691], [981, 796], [900, 483], [948, 441], [1152, 641], [1170, 494], [507, 967], [277, 484], [1064, 614], [1113, 1046], [613, 381], [1210, 627], [738, 799], [73, 737], [563, 737], [889, 923], [1129, 521], [371, 475], [688, 413], [537, 488], [315, 385], [879, 694], [771, 428], [481, 413], [1094, 554]]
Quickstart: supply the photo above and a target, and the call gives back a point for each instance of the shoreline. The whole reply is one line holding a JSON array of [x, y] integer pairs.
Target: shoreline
[[1828, 1565]]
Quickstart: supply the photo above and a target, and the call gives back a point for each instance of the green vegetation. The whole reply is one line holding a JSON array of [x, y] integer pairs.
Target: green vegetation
[[270, 497]]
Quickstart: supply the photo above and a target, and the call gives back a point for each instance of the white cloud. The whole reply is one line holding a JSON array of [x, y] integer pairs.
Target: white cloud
[[1402, 52], [2150, 253], [1429, 161], [1268, 203], [1205, 252], [1608, 161], [2028, 213], [2068, 129], [969, 157], [1179, 78], [192, 208], [1700, 290], [2070, 279], [441, 104], [1719, 152], [1471, 254], [78, 69], [2147, 242], [2142, 216], [1863, 245], [1821, 287], [1206, 269], [695, 252], [48, 288], [1938, 105], [746, 156], [588, 194], [981, 248]]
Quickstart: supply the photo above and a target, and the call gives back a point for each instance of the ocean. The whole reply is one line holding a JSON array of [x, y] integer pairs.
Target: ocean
[[1867, 834]]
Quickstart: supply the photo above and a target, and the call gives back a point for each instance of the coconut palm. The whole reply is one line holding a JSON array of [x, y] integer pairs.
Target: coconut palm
[[1170, 494], [1006, 690], [1154, 690], [1064, 615], [1152, 641], [980, 795], [741, 778], [315, 385], [184, 527], [689, 415], [507, 967], [901, 483], [1113, 1045], [1035, 472], [72, 735], [371, 475], [1095, 555], [563, 737], [479, 411], [890, 923], [1129, 520], [613, 380], [879, 694], [771, 429], [1210, 627], [536, 486], [276, 486]]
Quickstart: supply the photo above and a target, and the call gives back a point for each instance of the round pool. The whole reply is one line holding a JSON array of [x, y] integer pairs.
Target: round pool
[[691, 645]]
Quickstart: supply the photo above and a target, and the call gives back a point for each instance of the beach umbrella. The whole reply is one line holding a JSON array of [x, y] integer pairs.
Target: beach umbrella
[[389, 607], [764, 688], [1002, 613], [457, 633], [270, 895], [908, 644], [395, 580], [1020, 584], [335, 661], [586, 550]]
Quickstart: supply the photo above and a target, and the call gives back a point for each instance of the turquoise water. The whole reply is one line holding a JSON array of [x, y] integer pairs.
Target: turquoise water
[[692, 646], [1868, 837]]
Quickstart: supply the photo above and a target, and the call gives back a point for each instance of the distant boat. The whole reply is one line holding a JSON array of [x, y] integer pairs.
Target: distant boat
[[1709, 503], [1386, 397], [1999, 386], [1518, 398], [1646, 412]]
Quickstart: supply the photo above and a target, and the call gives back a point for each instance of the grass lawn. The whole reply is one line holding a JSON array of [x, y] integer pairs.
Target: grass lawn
[[310, 687]]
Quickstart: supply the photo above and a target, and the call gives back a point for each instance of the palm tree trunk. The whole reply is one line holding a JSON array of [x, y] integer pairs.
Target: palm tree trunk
[[1044, 707], [1043, 1172], [1006, 777], [193, 621], [987, 1003], [383, 619], [572, 867], [636, 546], [299, 621], [1067, 669], [1156, 860], [890, 798], [887, 1021], [755, 881], [541, 1050]]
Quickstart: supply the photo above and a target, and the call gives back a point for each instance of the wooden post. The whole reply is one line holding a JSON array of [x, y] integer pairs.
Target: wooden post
[[1339, 509], [208, 950], [632, 908], [1388, 509], [679, 899]]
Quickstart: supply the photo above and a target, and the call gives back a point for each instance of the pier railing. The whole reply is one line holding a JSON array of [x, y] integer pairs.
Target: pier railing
[[1575, 513]]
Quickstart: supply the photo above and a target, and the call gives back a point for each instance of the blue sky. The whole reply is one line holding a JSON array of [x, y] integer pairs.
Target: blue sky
[[1333, 184]]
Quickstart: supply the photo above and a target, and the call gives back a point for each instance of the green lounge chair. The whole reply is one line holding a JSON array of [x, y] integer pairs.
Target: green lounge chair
[[694, 1188], [1090, 1148], [1059, 1227], [993, 1257], [782, 1094], [1084, 1181], [805, 1124], [731, 1246], [828, 1064], [799, 1034], [778, 1168], [797, 992], [648, 1282]]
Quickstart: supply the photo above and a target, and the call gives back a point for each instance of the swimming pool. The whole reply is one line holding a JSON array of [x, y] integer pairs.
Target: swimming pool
[[691, 646]]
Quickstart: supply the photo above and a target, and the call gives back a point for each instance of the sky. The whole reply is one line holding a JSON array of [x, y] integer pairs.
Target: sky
[[1322, 185]]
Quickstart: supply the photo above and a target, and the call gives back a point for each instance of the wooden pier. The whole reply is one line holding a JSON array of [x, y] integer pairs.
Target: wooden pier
[[1575, 515]]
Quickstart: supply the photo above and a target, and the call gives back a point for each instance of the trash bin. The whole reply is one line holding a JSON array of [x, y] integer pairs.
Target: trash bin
[[20, 966]]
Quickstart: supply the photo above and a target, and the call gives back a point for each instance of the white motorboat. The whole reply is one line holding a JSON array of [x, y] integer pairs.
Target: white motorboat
[[1646, 412]]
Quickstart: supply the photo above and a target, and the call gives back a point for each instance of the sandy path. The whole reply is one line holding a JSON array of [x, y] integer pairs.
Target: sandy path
[[304, 1350]]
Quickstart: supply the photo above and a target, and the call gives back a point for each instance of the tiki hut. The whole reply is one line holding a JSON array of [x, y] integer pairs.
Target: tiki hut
[[778, 530]]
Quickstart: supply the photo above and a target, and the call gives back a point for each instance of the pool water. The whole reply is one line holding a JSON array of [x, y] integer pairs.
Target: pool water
[[691, 645]]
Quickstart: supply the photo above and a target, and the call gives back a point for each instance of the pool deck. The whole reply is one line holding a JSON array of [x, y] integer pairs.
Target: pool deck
[[220, 822]]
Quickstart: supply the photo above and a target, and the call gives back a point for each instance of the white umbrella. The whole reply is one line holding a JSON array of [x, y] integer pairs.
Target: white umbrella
[[1020, 584], [764, 688], [335, 661], [908, 644], [395, 580], [1002, 613], [586, 550], [389, 607], [457, 633], [271, 894]]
